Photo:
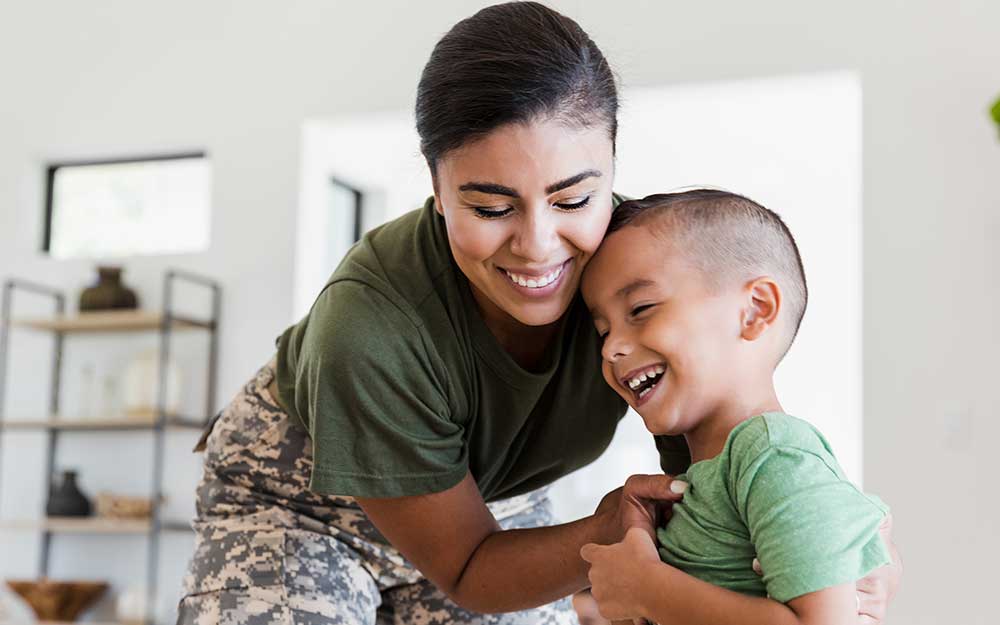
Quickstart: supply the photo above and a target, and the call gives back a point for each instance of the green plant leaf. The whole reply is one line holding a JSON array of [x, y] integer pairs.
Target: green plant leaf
[[996, 111]]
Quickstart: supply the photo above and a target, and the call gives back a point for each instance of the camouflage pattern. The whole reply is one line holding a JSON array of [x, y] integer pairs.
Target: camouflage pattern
[[268, 550]]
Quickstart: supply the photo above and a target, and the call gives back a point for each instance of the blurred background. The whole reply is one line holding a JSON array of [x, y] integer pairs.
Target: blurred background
[[224, 155]]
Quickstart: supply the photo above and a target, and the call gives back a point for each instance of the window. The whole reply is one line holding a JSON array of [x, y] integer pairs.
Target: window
[[125, 207]]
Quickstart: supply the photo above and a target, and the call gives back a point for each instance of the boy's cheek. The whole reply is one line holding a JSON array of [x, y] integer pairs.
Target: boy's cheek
[[609, 379]]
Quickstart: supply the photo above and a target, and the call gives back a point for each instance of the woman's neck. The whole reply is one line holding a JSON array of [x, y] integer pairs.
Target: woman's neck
[[527, 345]]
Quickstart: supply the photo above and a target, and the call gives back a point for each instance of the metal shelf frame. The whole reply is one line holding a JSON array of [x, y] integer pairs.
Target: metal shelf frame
[[169, 322]]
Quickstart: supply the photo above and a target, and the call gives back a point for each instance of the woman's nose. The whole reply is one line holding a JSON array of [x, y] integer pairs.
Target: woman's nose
[[537, 238]]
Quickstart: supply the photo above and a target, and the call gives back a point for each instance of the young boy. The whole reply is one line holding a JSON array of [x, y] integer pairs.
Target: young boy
[[698, 296]]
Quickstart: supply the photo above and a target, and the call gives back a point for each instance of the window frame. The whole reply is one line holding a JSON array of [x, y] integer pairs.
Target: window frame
[[52, 167]]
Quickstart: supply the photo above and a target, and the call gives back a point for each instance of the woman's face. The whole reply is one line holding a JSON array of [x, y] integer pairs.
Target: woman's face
[[526, 206]]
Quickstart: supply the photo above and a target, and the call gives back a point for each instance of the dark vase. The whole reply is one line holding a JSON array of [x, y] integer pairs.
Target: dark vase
[[109, 293], [65, 499]]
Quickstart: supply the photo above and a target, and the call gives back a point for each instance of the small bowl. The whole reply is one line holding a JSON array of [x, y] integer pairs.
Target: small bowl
[[58, 601]]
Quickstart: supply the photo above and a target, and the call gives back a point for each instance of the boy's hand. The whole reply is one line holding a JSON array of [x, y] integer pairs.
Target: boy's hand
[[639, 503], [615, 571], [878, 589]]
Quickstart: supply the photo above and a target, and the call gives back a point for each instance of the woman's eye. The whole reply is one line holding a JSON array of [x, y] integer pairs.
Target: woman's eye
[[492, 213], [572, 206]]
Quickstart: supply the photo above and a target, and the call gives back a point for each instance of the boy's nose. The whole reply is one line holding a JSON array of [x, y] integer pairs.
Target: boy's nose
[[615, 348]]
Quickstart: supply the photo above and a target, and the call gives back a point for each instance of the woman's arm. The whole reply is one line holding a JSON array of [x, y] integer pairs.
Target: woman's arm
[[629, 581], [452, 538], [877, 589]]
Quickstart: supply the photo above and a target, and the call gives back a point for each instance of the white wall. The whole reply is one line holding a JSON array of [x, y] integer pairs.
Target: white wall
[[238, 79]]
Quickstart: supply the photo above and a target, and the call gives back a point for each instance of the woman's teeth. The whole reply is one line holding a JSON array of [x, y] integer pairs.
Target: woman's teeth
[[535, 282]]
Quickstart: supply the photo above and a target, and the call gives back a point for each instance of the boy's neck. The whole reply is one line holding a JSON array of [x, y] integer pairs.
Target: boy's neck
[[708, 437]]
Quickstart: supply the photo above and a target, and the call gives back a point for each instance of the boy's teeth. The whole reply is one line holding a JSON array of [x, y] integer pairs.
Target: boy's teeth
[[535, 283], [649, 374]]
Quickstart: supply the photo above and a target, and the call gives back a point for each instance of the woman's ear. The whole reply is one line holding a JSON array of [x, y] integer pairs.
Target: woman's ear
[[763, 303], [437, 194]]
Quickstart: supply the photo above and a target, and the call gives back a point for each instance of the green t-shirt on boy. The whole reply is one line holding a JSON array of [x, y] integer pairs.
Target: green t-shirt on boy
[[775, 493]]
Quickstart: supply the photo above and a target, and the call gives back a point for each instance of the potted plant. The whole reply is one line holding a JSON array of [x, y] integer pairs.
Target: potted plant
[[995, 111]]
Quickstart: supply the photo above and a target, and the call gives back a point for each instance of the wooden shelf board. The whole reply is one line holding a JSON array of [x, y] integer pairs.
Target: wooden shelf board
[[90, 525], [101, 424], [109, 321]]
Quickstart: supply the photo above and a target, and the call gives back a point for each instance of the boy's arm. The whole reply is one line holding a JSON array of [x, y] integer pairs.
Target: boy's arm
[[691, 601], [629, 581]]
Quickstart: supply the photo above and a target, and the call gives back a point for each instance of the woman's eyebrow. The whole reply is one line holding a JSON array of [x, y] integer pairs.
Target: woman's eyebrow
[[490, 188], [572, 180]]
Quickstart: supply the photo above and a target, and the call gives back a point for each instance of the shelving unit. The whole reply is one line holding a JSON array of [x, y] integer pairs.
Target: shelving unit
[[164, 322]]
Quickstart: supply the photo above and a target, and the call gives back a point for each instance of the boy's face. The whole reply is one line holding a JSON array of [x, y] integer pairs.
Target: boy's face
[[659, 319]]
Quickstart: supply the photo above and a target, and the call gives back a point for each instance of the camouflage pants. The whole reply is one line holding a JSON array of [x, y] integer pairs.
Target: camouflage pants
[[270, 551]]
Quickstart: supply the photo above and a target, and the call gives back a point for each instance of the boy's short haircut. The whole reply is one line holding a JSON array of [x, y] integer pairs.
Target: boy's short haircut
[[730, 238]]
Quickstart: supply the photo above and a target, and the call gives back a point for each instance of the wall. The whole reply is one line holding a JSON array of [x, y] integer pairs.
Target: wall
[[117, 77]]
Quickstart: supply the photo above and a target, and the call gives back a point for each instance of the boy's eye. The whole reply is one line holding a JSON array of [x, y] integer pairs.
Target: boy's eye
[[492, 213], [638, 310], [572, 206]]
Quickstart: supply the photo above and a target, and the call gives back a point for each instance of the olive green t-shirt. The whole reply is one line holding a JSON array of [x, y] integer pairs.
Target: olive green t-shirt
[[775, 493], [404, 389]]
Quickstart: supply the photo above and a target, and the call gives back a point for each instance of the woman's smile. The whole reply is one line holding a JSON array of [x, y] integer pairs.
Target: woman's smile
[[536, 283]]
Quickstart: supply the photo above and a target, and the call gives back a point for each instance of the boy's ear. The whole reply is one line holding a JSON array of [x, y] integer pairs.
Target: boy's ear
[[763, 303]]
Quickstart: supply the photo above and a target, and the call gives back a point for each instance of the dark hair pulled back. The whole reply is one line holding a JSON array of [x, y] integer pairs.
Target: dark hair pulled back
[[511, 63]]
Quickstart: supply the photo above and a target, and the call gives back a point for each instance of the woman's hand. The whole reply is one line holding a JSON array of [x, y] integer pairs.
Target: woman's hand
[[643, 502], [616, 572], [876, 591]]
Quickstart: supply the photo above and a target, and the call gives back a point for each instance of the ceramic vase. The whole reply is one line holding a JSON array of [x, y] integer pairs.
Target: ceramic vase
[[66, 499], [109, 293]]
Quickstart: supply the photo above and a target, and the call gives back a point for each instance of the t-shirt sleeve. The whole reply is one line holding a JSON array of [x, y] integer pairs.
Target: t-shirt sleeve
[[376, 400], [811, 527]]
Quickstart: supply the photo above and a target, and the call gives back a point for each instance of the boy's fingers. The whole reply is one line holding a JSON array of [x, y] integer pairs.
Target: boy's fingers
[[589, 551], [640, 536]]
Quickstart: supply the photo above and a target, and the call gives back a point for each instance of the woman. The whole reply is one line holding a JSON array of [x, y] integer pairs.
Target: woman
[[390, 463]]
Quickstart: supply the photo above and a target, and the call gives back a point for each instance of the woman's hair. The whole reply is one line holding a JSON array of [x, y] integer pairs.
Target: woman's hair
[[511, 63]]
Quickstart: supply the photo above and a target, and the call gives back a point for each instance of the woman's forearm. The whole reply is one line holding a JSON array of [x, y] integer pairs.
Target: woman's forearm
[[524, 568]]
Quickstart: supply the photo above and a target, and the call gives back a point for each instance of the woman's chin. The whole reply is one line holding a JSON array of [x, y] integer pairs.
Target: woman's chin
[[540, 314]]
